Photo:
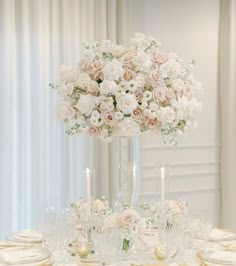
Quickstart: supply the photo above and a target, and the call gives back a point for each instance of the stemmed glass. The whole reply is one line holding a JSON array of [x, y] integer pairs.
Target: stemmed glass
[[205, 230]]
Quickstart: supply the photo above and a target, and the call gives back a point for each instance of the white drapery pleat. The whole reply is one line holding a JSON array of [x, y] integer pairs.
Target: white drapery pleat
[[228, 111], [37, 160]]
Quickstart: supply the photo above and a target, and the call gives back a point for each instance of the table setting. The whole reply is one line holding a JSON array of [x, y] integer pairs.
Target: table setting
[[121, 239]]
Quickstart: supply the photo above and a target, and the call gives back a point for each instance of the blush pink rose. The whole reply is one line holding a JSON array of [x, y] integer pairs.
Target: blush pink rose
[[129, 74], [159, 94], [92, 87], [94, 131], [109, 119], [127, 58], [138, 112], [159, 57], [95, 67]]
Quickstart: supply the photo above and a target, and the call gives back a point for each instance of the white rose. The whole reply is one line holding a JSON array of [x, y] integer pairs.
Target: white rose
[[140, 80], [83, 80], [107, 106], [68, 73], [138, 39], [178, 84], [148, 113], [127, 103], [106, 45], [153, 106], [117, 50], [107, 86], [88, 55], [129, 218], [113, 70], [98, 205], [144, 105], [86, 104], [65, 111], [141, 60], [170, 69], [128, 127], [66, 90], [167, 115]]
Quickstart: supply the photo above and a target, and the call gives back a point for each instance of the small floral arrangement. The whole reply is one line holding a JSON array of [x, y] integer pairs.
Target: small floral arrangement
[[99, 207], [173, 213], [127, 220], [125, 91]]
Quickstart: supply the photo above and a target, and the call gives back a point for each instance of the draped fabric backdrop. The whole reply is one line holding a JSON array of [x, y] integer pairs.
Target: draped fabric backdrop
[[39, 164], [228, 111]]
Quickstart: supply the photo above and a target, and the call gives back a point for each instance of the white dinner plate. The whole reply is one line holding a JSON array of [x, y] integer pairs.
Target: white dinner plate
[[25, 236], [21, 256], [219, 235], [217, 257]]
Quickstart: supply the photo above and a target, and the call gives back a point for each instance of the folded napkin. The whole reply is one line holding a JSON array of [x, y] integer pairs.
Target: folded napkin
[[19, 255], [221, 256], [219, 235], [9, 244], [29, 234]]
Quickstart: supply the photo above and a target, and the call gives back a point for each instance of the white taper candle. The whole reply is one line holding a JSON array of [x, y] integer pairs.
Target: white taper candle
[[163, 187], [88, 189]]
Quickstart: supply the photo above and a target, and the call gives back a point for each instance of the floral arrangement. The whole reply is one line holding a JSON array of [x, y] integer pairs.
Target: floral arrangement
[[99, 207], [125, 91], [173, 213], [127, 220]]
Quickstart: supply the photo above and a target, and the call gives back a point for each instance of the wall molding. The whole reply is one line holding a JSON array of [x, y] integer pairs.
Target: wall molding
[[189, 191], [181, 147], [176, 165], [152, 177]]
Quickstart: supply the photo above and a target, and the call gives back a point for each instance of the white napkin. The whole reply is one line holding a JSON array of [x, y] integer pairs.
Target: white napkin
[[18, 255], [218, 235], [9, 244], [29, 234], [221, 256]]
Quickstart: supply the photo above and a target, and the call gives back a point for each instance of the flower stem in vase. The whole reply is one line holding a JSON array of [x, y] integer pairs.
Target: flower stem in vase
[[125, 245]]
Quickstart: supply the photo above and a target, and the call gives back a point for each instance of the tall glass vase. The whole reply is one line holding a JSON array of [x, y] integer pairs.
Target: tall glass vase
[[127, 171]]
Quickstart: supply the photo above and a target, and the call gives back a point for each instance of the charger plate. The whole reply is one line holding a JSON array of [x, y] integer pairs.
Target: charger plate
[[22, 256]]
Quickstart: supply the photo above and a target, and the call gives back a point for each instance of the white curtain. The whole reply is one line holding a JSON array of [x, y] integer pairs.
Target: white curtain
[[228, 111], [38, 162]]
